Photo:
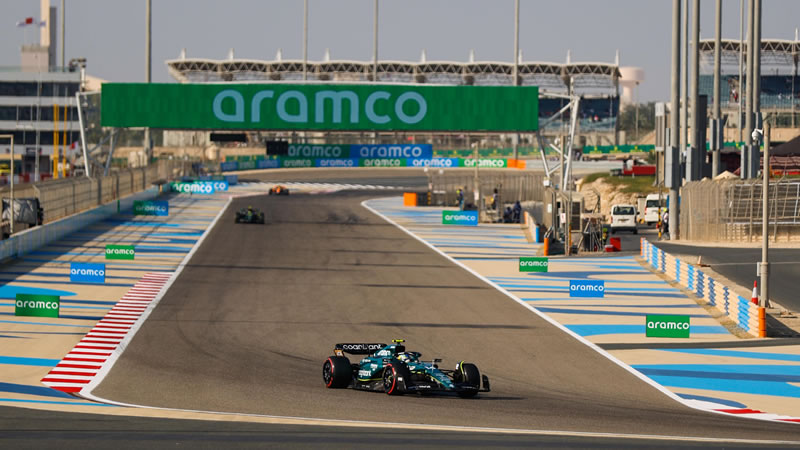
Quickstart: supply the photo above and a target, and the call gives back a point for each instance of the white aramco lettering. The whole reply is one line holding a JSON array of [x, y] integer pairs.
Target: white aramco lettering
[[238, 102]]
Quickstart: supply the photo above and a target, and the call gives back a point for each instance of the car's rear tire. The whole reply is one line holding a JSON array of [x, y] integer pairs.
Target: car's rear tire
[[468, 373], [337, 373]]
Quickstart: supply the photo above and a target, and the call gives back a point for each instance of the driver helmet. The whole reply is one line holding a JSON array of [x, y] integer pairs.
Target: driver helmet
[[407, 357], [249, 208]]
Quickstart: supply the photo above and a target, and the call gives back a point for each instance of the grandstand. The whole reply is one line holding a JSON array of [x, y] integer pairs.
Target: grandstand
[[780, 84], [596, 83]]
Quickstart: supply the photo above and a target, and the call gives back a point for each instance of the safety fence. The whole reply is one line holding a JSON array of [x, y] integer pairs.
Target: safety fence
[[63, 197], [747, 315], [732, 210], [511, 187], [31, 239]]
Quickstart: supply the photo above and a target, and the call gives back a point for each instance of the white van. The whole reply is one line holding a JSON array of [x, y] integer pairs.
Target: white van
[[652, 208], [623, 217]]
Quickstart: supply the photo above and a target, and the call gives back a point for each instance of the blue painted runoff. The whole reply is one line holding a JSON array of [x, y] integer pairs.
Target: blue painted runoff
[[737, 354], [23, 361], [594, 330], [11, 291], [32, 390], [721, 401]]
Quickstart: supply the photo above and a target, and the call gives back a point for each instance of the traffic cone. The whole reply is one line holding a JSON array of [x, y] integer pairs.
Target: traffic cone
[[754, 299]]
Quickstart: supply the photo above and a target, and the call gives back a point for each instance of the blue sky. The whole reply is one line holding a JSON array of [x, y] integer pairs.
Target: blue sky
[[110, 33]]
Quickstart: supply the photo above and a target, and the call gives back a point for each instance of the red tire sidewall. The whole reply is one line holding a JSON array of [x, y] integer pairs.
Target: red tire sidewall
[[330, 382], [394, 380]]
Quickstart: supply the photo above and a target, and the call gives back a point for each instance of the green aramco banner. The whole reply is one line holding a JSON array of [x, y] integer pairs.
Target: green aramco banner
[[280, 106]]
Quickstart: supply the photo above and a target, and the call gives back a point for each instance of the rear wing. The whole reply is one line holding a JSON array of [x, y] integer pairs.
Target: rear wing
[[357, 349]]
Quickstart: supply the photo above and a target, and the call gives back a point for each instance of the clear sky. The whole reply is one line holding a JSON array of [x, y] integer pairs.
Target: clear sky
[[111, 33]]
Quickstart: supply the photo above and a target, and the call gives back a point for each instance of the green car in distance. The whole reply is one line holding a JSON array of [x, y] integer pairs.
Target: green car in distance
[[249, 215], [395, 371]]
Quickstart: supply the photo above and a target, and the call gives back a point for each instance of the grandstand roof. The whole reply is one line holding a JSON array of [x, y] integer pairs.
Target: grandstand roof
[[774, 52], [548, 76]]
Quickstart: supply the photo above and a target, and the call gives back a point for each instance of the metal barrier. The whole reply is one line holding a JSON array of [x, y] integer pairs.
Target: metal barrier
[[67, 196], [31, 239], [747, 315]]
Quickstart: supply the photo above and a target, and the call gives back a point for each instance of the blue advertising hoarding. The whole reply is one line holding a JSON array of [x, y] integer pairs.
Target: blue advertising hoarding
[[392, 151], [87, 273], [219, 185], [587, 288], [229, 166]]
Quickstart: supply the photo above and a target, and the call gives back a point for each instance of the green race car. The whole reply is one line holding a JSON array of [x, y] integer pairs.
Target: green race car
[[392, 369], [249, 215]]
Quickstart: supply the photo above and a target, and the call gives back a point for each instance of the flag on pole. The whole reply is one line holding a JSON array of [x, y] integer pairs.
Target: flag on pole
[[31, 21]]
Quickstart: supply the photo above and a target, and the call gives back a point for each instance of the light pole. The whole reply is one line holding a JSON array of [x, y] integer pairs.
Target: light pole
[[764, 216], [305, 40], [717, 92], [147, 68], [672, 161], [375, 45], [11, 177]]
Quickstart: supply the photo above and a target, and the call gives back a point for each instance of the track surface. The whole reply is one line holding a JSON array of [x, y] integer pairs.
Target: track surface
[[247, 325], [739, 265]]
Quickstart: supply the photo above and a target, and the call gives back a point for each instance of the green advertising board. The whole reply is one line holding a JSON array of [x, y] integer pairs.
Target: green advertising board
[[37, 305], [120, 251], [533, 264], [297, 162], [280, 106], [670, 326], [484, 163]]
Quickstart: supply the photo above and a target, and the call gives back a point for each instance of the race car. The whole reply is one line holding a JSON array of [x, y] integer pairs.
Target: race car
[[395, 371], [249, 215], [278, 190]]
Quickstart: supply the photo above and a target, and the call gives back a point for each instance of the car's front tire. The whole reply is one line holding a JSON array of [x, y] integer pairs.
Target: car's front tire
[[392, 374], [468, 373], [337, 373]]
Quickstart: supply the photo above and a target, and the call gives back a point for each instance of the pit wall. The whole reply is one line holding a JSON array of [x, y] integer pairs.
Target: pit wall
[[747, 315], [24, 242]]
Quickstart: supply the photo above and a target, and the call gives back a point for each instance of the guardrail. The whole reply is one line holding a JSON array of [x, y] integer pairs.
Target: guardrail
[[747, 315], [26, 241]]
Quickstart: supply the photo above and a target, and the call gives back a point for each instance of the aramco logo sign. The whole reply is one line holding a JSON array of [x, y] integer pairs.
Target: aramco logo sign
[[359, 109], [326, 107]]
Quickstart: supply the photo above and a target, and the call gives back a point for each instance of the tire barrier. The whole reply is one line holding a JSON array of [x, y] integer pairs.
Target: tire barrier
[[748, 316]]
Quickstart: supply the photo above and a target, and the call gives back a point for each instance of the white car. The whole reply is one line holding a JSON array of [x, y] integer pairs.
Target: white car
[[653, 208], [623, 217]]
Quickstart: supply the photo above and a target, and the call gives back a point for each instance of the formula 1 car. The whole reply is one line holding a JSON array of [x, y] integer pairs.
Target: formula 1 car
[[249, 215], [395, 371], [278, 190]]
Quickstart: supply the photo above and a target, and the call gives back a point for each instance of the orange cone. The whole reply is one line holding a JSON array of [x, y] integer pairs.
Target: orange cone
[[754, 299]]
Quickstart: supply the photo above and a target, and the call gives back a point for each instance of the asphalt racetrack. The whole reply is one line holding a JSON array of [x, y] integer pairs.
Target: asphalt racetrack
[[249, 322]]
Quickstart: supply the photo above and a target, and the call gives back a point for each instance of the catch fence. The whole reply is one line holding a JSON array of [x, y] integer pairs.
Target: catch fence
[[67, 196], [733, 210]]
